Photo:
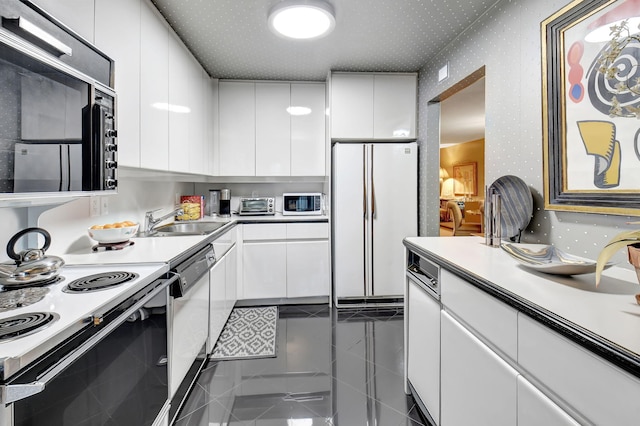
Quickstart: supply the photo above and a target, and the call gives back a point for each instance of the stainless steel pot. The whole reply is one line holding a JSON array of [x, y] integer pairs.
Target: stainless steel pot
[[31, 265]]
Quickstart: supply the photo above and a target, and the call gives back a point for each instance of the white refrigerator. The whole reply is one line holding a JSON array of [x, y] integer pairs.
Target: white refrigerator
[[375, 206]]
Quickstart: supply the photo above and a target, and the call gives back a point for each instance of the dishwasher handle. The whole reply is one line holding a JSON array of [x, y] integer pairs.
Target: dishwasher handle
[[191, 271]]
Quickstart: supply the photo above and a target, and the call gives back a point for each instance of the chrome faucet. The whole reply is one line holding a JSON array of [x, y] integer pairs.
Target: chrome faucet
[[150, 222]]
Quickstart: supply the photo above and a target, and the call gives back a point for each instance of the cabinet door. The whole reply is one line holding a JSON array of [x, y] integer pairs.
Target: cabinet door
[[231, 293], [351, 106], [212, 122], [394, 106], [179, 106], [273, 129], [197, 150], [423, 348], [264, 270], [237, 128], [217, 298], [308, 268], [477, 387], [308, 150], [154, 89], [535, 409], [123, 46], [598, 390], [76, 14]]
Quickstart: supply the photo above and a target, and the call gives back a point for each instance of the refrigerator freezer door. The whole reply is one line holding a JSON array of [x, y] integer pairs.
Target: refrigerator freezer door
[[349, 195], [394, 178]]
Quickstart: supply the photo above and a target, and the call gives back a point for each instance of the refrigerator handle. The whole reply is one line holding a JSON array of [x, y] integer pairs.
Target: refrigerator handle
[[364, 182], [373, 189]]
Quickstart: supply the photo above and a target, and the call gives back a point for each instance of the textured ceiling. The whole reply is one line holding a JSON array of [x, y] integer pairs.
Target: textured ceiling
[[230, 38]]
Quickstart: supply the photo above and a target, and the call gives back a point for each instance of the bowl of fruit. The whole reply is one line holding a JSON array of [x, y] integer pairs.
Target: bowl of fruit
[[110, 233]]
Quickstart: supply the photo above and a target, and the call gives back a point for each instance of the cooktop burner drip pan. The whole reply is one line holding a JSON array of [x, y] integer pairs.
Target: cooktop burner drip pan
[[25, 324], [30, 284], [99, 282], [13, 299]]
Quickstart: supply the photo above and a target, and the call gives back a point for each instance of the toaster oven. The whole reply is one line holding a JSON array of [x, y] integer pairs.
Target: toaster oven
[[256, 206]]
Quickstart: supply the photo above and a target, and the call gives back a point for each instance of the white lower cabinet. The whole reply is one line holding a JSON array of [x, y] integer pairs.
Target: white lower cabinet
[[535, 409], [217, 301], [285, 260], [423, 347], [477, 386], [264, 266], [308, 268], [598, 390], [231, 280]]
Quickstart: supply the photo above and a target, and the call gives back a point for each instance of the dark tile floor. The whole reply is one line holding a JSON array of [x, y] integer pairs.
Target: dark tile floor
[[333, 367]]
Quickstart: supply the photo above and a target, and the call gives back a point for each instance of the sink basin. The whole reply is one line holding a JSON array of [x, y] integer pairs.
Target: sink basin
[[187, 228]]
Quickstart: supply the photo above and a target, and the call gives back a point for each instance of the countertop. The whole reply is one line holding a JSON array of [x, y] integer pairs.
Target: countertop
[[604, 319], [172, 249]]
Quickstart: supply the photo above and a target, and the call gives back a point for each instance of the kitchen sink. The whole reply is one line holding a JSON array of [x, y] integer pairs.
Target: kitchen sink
[[187, 228]]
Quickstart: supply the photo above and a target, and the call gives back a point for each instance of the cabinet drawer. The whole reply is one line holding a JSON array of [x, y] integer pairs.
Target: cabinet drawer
[[264, 231], [305, 231], [601, 392], [494, 320]]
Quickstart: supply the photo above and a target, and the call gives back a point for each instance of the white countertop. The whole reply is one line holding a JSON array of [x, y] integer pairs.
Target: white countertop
[[165, 249], [609, 310]]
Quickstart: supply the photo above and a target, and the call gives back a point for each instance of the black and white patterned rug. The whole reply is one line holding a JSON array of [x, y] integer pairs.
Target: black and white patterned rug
[[248, 333]]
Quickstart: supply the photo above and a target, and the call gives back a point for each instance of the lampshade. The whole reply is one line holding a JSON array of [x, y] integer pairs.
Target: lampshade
[[443, 174], [302, 19]]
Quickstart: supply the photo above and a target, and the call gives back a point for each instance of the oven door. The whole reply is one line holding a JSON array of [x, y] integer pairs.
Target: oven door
[[114, 376]]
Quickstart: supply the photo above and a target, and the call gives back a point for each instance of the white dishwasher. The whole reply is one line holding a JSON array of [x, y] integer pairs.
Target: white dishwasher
[[422, 334], [189, 326]]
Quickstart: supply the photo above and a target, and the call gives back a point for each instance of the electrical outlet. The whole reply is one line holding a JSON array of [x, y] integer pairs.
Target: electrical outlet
[[104, 205], [94, 206]]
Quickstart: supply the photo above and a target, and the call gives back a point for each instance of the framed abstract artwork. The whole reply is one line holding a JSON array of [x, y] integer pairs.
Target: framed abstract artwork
[[465, 179], [591, 106]]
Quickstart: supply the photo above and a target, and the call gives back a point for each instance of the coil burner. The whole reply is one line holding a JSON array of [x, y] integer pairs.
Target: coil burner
[[13, 299], [25, 324], [99, 282]]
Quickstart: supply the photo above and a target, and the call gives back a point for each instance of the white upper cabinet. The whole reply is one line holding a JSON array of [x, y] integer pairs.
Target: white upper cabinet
[[212, 139], [76, 14], [308, 130], [154, 89], [273, 129], [351, 106], [123, 46], [237, 128], [394, 106], [373, 106], [180, 108], [260, 137]]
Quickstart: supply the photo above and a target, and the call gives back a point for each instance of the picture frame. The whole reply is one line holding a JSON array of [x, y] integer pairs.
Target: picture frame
[[591, 154], [465, 177]]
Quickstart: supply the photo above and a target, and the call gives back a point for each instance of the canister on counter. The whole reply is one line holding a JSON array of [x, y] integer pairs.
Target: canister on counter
[[225, 203], [213, 206]]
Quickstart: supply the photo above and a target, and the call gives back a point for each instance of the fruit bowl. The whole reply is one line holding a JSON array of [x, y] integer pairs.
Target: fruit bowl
[[113, 233]]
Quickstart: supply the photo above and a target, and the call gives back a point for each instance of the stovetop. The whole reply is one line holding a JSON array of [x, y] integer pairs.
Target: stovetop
[[71, 309]]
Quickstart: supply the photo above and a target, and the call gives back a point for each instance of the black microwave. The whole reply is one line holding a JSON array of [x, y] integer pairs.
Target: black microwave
[[302, 203], [58, 127]]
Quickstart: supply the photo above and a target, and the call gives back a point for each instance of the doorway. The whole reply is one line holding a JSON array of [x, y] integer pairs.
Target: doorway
[[462, 162]]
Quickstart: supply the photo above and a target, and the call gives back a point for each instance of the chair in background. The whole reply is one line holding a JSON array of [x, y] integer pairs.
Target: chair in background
[[459, 226]]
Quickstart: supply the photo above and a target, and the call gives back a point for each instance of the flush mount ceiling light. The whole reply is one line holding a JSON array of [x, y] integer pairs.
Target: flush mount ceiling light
[[302, 19]]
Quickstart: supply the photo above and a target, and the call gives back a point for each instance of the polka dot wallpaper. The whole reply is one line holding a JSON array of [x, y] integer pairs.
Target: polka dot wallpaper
[[506, 42]]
